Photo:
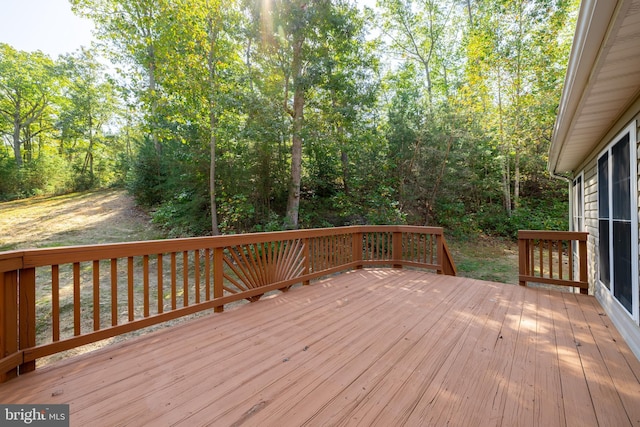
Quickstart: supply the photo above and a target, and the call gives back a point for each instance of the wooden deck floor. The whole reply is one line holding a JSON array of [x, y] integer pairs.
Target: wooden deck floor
[[370, 347]]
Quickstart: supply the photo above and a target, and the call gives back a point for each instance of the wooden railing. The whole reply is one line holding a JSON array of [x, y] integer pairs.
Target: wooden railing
[[53, 300], [547, 257]]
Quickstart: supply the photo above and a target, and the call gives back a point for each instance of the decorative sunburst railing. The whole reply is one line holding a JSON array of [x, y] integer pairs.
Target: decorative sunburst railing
[[256, 265], [56, 299]]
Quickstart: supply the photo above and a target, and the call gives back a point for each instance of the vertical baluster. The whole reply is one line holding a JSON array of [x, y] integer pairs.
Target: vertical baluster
[[541, 256], [207, 274], [532, 260], [145, 284], [55, 302], [130, 294], [325, 252], [76, 298], [550, 255], [218, 276], [431, 246], [174, 280], [571, 243], [409, 246], [560, 265], [196, 268], [185, 278], [160, 277], [114, 291], [96, 295]]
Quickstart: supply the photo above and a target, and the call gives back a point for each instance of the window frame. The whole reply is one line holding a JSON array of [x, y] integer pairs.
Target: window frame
[[630, 130]]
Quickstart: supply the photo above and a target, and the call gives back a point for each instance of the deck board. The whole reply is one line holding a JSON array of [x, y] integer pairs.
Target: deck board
[[369, 347]]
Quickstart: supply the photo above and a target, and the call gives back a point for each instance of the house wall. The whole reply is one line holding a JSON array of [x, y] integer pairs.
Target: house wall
[[628, 327]]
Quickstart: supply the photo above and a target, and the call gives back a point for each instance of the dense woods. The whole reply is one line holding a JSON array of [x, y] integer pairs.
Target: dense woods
[[250, 115]]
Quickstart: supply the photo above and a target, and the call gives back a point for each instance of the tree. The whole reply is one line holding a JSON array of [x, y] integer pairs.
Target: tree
[[90, 105], [294, 36], [26, 85], [132, 31], [203, 31]]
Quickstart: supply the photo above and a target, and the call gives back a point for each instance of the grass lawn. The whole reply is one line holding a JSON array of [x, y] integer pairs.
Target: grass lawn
[[486, 258]]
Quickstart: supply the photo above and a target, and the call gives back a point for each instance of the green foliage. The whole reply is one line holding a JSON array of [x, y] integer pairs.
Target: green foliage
[[9, 181], [146, 178], [186, 214], [221, 114], [44, 175]]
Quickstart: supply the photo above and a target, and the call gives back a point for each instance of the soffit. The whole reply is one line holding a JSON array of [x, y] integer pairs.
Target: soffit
[[603, 80]]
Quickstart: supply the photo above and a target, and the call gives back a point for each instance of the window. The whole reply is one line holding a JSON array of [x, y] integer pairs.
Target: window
[[618, 259]]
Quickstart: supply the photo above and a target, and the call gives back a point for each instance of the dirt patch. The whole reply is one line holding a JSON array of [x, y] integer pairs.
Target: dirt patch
[[107, 216]]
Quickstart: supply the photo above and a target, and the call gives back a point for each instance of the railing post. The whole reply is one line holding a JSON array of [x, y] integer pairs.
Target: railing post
[[440, 251], [27, 315], [523, 259], [448, 266], [396, 240], [8, 319], [357, 248], [582, 250], [218, 277]]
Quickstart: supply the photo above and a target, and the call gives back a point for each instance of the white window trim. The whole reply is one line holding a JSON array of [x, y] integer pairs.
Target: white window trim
[[581, 201], [610, 298]]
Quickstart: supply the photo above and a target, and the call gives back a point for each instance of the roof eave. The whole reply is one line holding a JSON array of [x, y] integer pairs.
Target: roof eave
[[592, 26]]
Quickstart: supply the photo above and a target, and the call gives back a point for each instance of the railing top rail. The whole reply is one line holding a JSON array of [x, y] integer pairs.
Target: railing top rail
[[10, 261], [553, 235], [61, 255]]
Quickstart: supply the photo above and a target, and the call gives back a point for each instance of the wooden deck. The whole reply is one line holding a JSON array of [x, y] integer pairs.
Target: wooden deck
[[370, 347]]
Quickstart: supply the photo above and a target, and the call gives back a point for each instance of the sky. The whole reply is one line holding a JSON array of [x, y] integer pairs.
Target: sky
[[46, 25], [49, 26]]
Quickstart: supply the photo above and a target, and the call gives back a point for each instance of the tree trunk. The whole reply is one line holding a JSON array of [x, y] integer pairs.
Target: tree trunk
[[516, 184], [16, 143], [293, 203], [153, 96], [436, 185], [506, 184], [344, 158], [213, 122], [212, 179]]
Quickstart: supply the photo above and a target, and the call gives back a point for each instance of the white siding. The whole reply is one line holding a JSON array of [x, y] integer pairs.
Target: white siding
[[627, 326], [591, 219]]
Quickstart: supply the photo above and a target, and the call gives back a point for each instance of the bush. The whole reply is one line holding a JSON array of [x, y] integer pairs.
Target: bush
[[183, 215], [147, 178], [44, 175], [9, 181], [552, 215]]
